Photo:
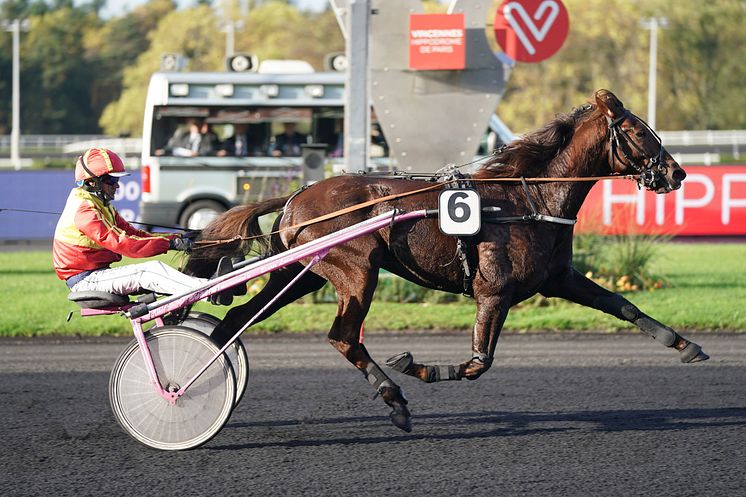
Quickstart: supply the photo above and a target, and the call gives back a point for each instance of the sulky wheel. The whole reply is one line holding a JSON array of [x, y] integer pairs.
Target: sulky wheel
[[178, 353], [206, 323]]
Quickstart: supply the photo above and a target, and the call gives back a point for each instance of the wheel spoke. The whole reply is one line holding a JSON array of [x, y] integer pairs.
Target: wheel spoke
[[178, 353]]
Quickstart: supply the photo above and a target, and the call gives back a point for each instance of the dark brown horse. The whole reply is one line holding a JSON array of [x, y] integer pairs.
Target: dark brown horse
[[509, 262]]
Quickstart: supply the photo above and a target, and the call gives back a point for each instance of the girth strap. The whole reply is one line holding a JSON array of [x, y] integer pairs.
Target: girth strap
[[534, 216], [457, 179]]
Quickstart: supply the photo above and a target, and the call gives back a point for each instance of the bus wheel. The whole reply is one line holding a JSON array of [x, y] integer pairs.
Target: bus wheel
[[198, 214]]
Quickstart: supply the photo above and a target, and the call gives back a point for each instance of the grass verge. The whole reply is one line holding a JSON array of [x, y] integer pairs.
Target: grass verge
[[707, 292]]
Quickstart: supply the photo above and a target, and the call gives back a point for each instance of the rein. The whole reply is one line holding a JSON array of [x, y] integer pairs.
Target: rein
[[201, 244]]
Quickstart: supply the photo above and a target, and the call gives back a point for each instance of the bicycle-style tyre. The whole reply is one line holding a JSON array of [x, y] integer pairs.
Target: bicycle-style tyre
[[206, 323], [178, 353]]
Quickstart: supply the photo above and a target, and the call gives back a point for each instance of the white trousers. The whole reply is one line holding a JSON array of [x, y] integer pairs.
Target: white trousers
[[124, 280]]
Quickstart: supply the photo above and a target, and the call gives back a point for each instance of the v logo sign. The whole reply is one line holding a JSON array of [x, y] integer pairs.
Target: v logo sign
[[538, 33]]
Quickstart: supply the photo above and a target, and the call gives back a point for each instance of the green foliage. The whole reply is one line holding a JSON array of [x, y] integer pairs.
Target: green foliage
[[702, 65], [82, 74], [700, 72], [393, 289], [620, 263], [189, 32], [276, 30], [56, 81], [272, 30], [705, 294]]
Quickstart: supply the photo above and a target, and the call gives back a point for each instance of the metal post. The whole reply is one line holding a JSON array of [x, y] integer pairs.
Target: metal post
[[230, 31], [651, 72], [357, 103], [15, 131], [652, 24]]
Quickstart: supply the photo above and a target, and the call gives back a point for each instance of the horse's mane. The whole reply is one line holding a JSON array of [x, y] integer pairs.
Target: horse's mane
[[530, 155]]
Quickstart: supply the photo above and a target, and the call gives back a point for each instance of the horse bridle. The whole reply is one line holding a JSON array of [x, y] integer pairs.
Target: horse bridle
[[652, 169]]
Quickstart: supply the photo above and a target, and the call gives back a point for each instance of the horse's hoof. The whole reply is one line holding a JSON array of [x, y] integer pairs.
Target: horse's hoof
[[401, 418], [400, 362], [693, 353]]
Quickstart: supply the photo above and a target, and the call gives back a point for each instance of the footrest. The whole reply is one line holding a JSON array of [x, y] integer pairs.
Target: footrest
[[98, 300]]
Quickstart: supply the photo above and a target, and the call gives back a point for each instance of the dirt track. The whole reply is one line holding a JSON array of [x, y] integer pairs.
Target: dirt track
[[557, 415]]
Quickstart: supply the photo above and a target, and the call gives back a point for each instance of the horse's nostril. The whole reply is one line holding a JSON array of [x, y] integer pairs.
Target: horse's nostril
[[679, 175]]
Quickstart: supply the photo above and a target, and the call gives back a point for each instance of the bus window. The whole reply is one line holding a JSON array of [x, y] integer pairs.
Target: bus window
[[329, 131]]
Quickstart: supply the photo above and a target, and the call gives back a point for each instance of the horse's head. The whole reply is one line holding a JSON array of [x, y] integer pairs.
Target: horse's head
[[634, 148]]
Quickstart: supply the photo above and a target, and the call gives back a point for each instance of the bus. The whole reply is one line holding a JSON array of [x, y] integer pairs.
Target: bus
[[190, 185]]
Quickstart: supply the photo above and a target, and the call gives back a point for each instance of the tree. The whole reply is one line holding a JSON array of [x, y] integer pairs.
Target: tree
[[9, 10], [116, 45], [604, 49], [272, 30], [275, 30], [699, 75], [188, 32], [701, 71], [56, 79]]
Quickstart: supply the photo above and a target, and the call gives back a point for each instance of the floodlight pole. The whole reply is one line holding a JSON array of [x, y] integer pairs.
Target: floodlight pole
[[15, 27], [652, 24], [229, 28]]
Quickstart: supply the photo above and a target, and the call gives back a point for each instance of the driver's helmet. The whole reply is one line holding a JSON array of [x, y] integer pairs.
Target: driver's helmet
[[98, 162]]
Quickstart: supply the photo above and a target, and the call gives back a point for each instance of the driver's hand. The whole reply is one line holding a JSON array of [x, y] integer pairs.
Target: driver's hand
[[179, 243]]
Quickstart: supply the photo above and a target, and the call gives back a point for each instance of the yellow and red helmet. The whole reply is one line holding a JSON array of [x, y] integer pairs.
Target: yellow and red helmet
[[98, 162]]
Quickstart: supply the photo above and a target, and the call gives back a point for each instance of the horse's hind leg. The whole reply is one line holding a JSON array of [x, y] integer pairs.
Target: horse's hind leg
[[278, 280], [577, 288], [491, 313], [355, 286]]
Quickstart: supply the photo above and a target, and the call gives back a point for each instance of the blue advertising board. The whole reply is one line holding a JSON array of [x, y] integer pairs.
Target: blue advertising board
[[44, 192]]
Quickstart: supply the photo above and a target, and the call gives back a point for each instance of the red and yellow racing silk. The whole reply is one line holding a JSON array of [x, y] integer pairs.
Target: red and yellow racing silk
[[91, 235]]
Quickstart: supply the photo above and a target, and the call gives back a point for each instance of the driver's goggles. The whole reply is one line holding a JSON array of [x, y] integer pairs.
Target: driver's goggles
[[110, 180]]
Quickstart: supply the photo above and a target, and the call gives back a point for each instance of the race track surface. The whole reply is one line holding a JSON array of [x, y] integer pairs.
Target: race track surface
[[557, 415]]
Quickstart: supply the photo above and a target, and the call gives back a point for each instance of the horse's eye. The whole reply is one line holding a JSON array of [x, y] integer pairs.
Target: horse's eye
[[641, 133]]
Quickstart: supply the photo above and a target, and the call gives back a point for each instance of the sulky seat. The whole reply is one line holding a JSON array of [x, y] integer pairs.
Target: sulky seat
[[98, 300]]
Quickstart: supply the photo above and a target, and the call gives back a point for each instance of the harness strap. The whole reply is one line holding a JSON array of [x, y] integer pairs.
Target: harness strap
[[368, 203], [535, 216]]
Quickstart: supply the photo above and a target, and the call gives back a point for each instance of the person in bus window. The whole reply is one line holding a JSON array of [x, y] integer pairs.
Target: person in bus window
[[209, 143], [287, 143], [185, 142], [378, 145], [91, 235], [241, 144]]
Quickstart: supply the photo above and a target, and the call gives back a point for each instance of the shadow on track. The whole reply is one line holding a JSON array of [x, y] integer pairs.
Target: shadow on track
[[510, 424]]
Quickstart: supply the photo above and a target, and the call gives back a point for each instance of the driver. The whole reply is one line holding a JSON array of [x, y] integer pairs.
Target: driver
[[90, 235]]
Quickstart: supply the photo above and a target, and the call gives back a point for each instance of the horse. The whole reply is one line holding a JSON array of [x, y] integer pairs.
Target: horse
[[552, 169]]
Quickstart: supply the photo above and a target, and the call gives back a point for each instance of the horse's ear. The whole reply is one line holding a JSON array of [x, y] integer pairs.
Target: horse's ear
[[609, 104]]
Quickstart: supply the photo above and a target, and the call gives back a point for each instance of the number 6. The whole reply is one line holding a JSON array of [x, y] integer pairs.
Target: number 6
[[459, 212]]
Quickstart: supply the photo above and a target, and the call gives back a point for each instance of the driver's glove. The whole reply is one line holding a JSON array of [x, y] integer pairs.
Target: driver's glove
[[178, 243]]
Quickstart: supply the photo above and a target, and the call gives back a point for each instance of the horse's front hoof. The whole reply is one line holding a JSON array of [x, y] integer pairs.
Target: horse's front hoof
[[401, 418], [693, 353], [395, 399]]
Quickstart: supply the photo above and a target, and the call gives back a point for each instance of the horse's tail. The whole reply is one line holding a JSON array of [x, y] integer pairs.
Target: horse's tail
[[243, 221]]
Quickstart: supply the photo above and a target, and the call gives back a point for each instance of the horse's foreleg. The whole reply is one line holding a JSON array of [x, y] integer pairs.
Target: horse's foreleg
[[491, 314], [355, 293], [278, 280], [577, 288]]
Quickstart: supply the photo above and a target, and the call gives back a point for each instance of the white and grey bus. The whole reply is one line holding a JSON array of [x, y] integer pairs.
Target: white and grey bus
[[190, 187]]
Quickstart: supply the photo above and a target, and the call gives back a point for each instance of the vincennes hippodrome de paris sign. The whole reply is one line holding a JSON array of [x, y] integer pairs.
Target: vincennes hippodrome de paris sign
[[526, 30]]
